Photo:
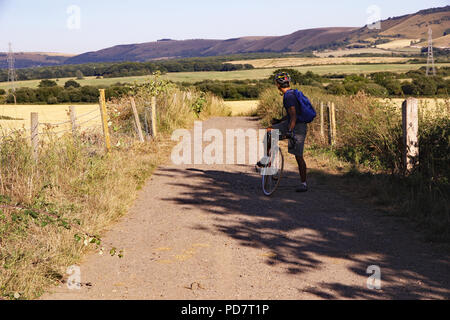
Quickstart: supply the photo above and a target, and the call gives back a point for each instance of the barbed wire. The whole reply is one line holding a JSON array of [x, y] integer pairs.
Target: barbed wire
[[87, 114], [92, 119], [54, 124]]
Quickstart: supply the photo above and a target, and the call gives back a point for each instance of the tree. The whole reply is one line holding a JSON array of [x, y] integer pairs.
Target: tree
[[410, 89], [336, 88], [427, 86], [72, 84], [47, 84]]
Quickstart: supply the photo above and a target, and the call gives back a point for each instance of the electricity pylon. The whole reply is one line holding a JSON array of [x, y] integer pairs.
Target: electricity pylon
[[430, 60], [12, 72]]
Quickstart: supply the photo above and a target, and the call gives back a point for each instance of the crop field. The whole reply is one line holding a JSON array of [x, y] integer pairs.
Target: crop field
[[344, 52], [49, 116], [243, 107], [236, 75], [428, 107], [396, 44], [296, 62]]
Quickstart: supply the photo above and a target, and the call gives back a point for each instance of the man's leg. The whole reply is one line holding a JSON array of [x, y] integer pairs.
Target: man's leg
[[302, 168], [297, 150]]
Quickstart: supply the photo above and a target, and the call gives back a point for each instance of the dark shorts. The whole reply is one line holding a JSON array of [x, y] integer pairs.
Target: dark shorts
[[296, 146]]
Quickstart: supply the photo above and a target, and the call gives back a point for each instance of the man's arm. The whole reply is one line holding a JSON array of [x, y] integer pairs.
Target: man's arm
[[293, 116]]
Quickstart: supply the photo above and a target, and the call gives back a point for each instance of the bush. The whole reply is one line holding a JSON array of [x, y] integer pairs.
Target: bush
[[71, 84], [336, 88], [2, 92], [47, 84], [374, 89]]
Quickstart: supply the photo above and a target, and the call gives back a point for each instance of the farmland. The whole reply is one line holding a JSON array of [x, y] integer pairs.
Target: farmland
[[48, 114], [296, 62], [193, 77]]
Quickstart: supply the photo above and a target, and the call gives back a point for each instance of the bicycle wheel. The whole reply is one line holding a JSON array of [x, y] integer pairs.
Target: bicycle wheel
[[271, 175]]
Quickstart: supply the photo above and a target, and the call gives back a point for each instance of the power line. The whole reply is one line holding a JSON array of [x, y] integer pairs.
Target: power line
[[12, 76], [430, 59]]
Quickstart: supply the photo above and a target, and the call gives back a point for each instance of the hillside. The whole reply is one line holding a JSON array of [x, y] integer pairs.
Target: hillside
[[34, 59], [197, 48], [412, 26], [395, 33]]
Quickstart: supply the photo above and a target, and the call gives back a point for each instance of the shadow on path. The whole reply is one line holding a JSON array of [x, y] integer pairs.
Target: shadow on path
[[307, 231]]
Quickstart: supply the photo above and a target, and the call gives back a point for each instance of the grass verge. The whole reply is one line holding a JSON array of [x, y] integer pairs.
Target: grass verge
[[369, 151], [54, 210]]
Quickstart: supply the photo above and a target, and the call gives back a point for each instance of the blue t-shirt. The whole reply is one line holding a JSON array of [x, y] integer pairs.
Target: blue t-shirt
[[290, 100]]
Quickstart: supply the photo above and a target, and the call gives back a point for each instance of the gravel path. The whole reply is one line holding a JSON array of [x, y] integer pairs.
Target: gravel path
[[207, 232]]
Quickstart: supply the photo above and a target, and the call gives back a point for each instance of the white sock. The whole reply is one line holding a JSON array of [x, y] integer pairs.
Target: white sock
[[304, 183]]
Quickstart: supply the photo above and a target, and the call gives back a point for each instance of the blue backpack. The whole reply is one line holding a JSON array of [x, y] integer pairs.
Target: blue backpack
[[307, 112]]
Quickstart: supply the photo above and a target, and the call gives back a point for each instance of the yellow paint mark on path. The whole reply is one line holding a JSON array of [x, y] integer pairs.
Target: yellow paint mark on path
[[269, 254]]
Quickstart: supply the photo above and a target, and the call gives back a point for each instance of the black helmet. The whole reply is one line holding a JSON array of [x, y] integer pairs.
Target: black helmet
[[283, 79]]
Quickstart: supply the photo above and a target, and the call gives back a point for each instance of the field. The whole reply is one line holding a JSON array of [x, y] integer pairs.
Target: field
[[48, 114], [428, 107], [244, 107], [396, 44], [236, 75], [344, 52], [296, 62]]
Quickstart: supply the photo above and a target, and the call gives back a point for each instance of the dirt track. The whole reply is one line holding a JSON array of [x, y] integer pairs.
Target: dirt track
[[207, 232]]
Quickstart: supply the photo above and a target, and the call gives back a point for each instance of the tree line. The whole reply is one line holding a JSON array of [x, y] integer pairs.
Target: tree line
[[48, 92], [125, 69], [380, 84]]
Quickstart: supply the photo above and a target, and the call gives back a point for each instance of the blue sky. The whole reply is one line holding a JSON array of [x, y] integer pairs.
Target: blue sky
[[42, 25]]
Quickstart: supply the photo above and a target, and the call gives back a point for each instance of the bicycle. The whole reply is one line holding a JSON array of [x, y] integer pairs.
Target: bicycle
[[272, 173]]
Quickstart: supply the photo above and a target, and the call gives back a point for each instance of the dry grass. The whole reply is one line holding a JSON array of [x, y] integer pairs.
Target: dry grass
[[244, 107], [49, 114], [430, 108], [296, 62], [369, 139], [85, 188], [397, 44], [344, 52], [441, 42]]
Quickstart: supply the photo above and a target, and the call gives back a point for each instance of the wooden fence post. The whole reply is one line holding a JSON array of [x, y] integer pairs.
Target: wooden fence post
[[330, 124], [322, 121], [154, 126], [73, 120], [105, 119], [137, 121], [334, 131], [410, 116], [35, 135]]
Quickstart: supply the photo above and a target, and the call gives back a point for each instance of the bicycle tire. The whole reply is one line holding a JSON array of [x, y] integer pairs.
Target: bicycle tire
[[269, 184]]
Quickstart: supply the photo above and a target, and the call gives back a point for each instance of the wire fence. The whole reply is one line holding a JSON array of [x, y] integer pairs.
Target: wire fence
[[91, 127]]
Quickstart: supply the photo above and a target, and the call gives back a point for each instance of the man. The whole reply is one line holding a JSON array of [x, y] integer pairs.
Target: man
[[291, 128]]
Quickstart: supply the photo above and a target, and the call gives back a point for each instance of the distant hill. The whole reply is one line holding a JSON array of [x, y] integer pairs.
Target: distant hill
[[412, 28], [34, 59], [198, 48]]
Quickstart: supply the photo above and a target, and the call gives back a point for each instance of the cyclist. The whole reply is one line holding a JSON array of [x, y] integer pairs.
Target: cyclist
[[290, 127]]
